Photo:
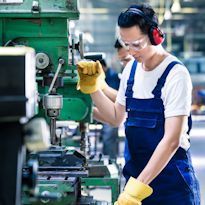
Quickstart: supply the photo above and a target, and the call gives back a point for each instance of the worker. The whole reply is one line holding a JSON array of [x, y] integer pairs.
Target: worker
[[122, 53], [110, 133], [156, 93]]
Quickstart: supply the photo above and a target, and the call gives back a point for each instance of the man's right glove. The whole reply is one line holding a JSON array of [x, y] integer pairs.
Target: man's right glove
[[134, 192], [91, 77]]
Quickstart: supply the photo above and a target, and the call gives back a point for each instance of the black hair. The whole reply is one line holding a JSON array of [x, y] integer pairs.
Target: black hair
[[117, 44], [129, 18], [103, 62]]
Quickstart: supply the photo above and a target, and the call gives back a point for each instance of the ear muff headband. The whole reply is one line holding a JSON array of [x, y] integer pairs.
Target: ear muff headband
[[156, 36], [141, 13]]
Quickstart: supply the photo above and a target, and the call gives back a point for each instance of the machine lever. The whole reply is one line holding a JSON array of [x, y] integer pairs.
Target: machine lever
[[61, 62]]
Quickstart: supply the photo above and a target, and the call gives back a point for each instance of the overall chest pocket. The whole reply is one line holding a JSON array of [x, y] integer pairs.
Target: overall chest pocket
[[143, 122]]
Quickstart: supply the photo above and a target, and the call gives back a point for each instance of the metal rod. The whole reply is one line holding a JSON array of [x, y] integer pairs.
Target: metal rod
[[73, 48], [61, 62], [53, 130]]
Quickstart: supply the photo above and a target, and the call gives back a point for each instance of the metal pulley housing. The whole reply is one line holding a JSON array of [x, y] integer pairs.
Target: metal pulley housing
[[42, 61]]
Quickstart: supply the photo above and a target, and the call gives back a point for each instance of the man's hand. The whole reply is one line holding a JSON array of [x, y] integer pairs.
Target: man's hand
[[91, 77], [134, 192]]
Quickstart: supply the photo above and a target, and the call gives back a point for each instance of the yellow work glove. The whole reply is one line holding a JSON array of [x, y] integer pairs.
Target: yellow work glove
[[134, 192], [91, 77]]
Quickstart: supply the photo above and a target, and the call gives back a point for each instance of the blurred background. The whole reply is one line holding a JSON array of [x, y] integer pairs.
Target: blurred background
[[80, 160], [183, 22]]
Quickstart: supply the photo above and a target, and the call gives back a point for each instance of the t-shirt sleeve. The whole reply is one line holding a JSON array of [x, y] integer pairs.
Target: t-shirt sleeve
[[178, 92], [123, 83], [121, 93]]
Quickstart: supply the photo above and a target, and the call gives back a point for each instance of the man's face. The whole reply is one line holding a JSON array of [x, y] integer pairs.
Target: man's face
[[123, 56], [136, 43]]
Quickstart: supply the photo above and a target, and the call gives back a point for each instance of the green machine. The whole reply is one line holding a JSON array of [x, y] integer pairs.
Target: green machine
[[44, 26]]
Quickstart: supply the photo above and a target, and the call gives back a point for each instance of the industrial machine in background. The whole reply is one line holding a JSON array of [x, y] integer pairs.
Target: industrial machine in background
[[56, 175]]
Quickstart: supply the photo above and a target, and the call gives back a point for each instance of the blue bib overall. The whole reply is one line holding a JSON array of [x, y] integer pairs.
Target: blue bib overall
[[144, 128]]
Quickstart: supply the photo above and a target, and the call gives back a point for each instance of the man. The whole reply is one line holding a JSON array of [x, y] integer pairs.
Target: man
[[156, 93], [122, 53]]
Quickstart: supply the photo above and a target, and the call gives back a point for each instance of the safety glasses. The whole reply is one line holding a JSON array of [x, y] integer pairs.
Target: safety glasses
[[135, 45]]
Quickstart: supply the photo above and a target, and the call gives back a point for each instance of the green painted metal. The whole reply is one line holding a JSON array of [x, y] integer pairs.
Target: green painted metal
[[62, 192], [52, 8], [47, 32], [113, 183]]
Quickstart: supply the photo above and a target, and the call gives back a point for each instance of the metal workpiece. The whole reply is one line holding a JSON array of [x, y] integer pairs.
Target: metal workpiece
[[61, 158]]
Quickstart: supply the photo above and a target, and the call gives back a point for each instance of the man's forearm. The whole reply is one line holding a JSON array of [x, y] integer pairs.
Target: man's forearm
[[98, 116], [165, 149], [105, 106], [110, 93], [160, 158]]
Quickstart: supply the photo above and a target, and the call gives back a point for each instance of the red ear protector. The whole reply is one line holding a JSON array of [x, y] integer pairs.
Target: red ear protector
[[156, 36]]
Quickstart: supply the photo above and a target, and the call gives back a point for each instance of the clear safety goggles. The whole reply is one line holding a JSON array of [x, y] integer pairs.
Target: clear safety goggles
[[135, 45]]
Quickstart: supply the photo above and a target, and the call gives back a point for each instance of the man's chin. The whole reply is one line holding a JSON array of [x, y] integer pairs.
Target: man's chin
[[138, 59]]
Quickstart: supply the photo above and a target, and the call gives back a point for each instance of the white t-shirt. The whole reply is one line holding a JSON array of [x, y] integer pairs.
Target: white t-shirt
[[176, 93]]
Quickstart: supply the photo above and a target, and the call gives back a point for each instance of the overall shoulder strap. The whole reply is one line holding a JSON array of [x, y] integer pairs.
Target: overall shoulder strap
[[161, 81], [130, 82]]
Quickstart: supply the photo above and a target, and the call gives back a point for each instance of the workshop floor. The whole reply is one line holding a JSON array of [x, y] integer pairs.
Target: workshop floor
[[198, 158]]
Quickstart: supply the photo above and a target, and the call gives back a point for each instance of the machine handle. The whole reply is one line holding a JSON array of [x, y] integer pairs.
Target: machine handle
[[61, 62]]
